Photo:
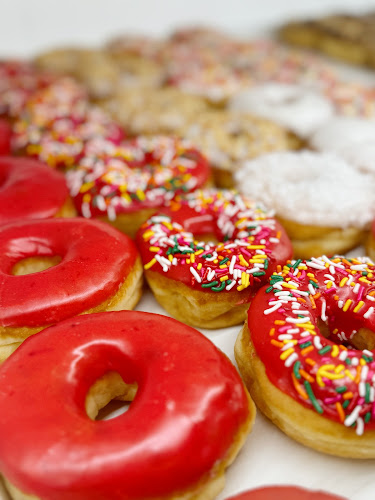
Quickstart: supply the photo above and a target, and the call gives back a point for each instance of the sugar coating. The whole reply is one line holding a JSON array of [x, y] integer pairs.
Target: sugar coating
[[339, 132], [296, 107], [318, 189]]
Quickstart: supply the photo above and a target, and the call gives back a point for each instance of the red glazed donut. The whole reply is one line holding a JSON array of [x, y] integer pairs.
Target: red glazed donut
[[284, 493], [307, 353], [97, 268], [189, 418], [5, 137], [124, 185], [31, 190], [211, 284]]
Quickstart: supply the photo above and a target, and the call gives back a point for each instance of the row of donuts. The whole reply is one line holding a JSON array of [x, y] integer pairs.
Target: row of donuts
[[58, 246]]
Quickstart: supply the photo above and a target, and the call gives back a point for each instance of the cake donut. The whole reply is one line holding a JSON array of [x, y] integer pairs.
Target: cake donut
[[189, 418], [324, 203], [31, 190], [296, 107], [210, 285], [5, 137], [94, 268], [307, 353], [124, 185], [370, 246], [284, 493]]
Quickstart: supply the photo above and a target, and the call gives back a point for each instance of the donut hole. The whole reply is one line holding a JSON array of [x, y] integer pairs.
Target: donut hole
[[31, 265], [364, 338], [106, 395]]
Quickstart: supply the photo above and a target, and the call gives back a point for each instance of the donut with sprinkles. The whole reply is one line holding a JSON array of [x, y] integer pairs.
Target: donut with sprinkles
[[210, 284], [125, 184], [307, 353]]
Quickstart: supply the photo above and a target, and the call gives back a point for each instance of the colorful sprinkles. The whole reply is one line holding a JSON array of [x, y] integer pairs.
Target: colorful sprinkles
[[329, 374], [249, 247]]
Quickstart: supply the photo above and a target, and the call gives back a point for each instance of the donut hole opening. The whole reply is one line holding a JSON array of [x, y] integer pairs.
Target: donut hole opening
[[364, 338], [31, 265], [109, 397]]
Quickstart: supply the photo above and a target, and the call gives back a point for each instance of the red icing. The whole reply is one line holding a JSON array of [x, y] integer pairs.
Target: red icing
[[284, 493], [29, 190], [341, 377], [5, 137], [217, 212], [95, 260], [188, 409]]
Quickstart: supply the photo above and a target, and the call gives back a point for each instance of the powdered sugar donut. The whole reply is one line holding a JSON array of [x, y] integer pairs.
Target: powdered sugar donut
[[298, 108], [323, 202]]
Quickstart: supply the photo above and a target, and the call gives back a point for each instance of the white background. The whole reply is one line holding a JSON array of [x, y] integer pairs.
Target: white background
[[32, 25]]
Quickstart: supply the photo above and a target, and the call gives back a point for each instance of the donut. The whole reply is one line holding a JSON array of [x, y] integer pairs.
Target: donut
[[94, 268], [293, 106], [324, 204], [61, 142], [284, 493], [228, 139], [210, 285], [31, 190], [163, 110], [307, 353], [370, 246], [190, 415], [5, 137], [124, 185]]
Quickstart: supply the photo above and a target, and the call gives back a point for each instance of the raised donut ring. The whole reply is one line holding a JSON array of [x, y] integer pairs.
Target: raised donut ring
[[189, 418], [97, 268], [307, 353]]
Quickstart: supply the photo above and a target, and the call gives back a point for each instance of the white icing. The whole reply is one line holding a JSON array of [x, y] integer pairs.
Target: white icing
[[295, 107], [310, 188], [341, 132], [361, 155]]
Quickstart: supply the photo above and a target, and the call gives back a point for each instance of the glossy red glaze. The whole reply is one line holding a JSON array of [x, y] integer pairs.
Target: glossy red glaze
[[5, 137], [188, 409], [95, 260], [284, 493], [29, 190], [296, 355]]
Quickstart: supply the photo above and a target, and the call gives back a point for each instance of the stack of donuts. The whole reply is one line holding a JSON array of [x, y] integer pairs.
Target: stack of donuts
[[91, 204]]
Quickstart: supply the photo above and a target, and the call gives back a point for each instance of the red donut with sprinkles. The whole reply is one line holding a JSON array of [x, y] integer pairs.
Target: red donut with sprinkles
[[125, 184], [189, 417], [54, 269], [207, 253], [307, 353], [284, 493], [31, 190], [5, 137]]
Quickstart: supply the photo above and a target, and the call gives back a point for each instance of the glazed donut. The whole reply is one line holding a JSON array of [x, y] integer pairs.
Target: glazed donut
[[31, 190], [189, 418], [210, 285], [5, 137], [284, 493], [307, 353], [94, 268], [124, 185], [228, 139], [324, 204], [296, 107]]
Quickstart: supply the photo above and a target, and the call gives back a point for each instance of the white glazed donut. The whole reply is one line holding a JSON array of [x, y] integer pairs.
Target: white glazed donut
[[322, 201], [293, 106]]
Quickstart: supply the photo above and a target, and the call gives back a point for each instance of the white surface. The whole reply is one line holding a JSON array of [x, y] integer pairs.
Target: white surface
[[29, 26]]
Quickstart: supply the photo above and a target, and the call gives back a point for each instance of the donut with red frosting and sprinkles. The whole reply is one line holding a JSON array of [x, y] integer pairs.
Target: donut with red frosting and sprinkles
[[210, 284], [284, 493], [307, 353], [54, 269], [30, 189], [125, 184], [189, 417], [5, 137]]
